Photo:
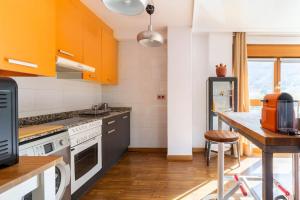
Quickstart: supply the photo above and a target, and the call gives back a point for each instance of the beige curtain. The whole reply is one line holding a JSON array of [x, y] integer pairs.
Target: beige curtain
[[240, 70]]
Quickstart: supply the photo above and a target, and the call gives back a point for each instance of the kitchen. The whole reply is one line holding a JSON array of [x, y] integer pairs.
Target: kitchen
[[101, 116]]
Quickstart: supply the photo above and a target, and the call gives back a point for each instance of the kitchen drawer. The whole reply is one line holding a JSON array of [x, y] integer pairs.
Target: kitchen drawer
[[116, 138], [110, 124]]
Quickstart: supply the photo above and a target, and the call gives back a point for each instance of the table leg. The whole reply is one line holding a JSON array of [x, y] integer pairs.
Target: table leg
[[220, 124], [220, 171], [296, 176], [267, 176]]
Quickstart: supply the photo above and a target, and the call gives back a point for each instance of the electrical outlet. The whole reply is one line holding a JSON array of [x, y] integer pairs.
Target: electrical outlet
[[161, 97]]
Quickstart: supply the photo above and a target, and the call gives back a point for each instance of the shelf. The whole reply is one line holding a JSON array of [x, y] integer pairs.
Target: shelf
[[222, 95], [215, 112]]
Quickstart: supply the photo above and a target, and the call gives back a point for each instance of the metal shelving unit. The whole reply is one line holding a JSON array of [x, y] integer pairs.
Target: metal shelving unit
[[222, 96]]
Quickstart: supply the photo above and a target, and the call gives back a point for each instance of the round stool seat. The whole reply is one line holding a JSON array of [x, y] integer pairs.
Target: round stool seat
[[221, 136]]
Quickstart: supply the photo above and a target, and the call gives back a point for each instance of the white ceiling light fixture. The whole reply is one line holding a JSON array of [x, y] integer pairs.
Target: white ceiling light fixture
[[150, 38], [126, 7]]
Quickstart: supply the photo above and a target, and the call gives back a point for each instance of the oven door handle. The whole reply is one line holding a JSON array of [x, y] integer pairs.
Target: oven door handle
[[85, 144]]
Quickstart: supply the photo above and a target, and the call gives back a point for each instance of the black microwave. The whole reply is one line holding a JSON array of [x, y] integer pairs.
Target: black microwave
[[9, 150]]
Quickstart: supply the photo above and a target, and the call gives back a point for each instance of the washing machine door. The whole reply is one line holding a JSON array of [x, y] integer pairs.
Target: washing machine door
[[62, 179]]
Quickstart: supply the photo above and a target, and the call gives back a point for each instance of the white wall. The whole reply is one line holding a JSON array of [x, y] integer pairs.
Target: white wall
[[208, 49], [142, 76], [40, 95], [201, 71], [179, 91], [220, 51]]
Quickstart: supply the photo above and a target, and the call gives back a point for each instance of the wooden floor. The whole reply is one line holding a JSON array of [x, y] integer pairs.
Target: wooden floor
[[140, 176]]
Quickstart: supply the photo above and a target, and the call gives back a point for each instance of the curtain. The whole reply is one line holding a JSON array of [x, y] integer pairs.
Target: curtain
[[240, 70]]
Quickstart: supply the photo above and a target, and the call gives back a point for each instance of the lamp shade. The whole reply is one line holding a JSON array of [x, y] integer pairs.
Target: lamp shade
[[126, 7], [150, 38]]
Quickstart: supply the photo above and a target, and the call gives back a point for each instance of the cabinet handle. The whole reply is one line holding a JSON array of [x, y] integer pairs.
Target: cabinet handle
[[111, 131], [66, 53], [125, 117], [111, 122], [23, 63]]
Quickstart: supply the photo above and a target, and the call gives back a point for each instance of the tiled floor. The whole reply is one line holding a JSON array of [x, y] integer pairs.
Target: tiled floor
[[150, 176]]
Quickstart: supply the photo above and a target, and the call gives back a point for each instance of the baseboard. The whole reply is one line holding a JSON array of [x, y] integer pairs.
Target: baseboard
[[198, 150], [159, 150], [148, 150], [180, 157]]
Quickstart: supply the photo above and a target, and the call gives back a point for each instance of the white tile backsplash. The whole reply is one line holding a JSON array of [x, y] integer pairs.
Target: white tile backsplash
[[43, 95], [142, 76]]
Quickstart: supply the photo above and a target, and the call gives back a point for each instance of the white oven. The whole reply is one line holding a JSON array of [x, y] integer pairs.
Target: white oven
[[86, 161], [86, 154]]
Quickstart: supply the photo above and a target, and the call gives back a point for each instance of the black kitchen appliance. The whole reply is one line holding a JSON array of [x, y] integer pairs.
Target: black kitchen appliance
[[287, 113], [9, 153]]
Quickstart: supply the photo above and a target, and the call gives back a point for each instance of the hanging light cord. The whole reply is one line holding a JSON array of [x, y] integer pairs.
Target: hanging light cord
[[150, 25], [150, 10]]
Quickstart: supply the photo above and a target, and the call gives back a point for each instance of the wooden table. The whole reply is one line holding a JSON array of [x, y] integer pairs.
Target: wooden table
[[248, 125], [30, 174]]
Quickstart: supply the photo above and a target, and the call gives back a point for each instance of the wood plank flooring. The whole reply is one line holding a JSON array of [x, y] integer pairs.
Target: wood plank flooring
[[146, 176]]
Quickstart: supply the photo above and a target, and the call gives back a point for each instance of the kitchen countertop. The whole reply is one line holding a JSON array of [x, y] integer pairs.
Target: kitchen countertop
[[31, 131], [28, 167], [64, 124]]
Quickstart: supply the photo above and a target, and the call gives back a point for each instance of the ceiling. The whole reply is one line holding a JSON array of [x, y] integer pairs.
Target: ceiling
[[167, 13], [272, 16], [252, 16]]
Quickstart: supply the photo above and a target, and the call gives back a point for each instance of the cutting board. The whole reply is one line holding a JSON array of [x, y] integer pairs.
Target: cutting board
[[36, 130]]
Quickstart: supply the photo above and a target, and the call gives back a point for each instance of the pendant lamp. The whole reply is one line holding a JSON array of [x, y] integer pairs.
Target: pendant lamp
[[126, 7], [150, 38]]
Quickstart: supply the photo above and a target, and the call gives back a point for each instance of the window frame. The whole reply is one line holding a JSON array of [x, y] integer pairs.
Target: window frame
[[277, 52]]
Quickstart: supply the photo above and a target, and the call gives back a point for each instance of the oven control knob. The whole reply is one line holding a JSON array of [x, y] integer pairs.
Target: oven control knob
[[61, 142]]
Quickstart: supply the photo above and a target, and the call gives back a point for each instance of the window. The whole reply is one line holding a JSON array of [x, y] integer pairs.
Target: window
[[267, 75], [261, 81], [290, 77], [273, 68]]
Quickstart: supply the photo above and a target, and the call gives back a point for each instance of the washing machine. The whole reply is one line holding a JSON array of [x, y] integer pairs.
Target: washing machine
[[57, 144]]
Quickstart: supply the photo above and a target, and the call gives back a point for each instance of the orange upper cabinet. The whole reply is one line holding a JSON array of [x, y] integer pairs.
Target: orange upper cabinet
[[109, 72], [27, 37], [91, 45], [69, 33]]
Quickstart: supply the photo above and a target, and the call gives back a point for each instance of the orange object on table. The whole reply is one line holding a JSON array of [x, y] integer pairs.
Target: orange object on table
[[269, 112]]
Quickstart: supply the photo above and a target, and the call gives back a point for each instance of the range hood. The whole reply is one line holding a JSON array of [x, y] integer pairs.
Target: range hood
[[69, 69]]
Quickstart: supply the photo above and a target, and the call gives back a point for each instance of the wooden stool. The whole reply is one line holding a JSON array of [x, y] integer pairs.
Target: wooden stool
[[213, 136], [221, 137]]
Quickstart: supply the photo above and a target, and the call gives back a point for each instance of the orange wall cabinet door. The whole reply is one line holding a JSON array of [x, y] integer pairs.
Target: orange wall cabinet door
[[69, 32], [109, 72], [27, 37], [91, 45]]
